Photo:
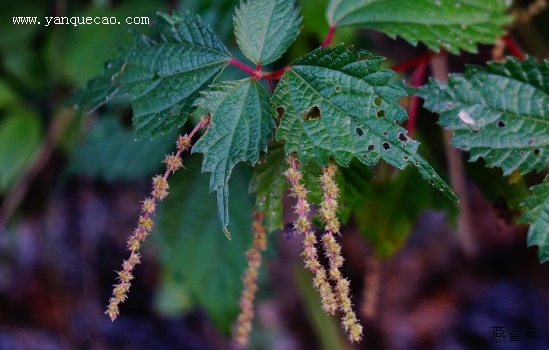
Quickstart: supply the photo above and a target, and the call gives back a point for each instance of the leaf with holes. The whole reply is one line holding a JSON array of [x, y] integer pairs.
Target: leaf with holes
[[448, 24], [265, 29], [499, 113], [240, 126], [163, 79], [339, 104], [538, 218], [269, 185]]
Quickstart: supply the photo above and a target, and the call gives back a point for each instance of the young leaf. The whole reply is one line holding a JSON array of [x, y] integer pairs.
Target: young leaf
[[163, 79], [499, 113], [269, 185], [448, 24], [538, 218], [265, 29], [338, 103], [240, 126]]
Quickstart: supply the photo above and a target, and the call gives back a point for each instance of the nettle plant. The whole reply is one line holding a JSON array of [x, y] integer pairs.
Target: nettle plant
[[331, 109]]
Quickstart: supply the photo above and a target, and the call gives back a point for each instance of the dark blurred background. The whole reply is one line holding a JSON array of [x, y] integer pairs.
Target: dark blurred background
[[71, 185]]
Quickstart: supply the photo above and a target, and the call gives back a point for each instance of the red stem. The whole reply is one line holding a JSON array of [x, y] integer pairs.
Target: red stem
[[426, 57], [271, 86], [416, 80], [514, 48], [329, 36], [242, 66], [276, 75]]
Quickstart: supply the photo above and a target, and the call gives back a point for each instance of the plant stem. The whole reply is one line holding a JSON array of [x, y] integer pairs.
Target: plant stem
[[329, 36], [426, 57], [514, 48], [416, 80], [242, 66]]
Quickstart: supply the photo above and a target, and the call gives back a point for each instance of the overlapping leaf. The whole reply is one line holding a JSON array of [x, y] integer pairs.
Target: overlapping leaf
[[240, 126], [269, 185], [499, 113], [338, 103], [538, 218], [265, 29], [163, 79], [448, 24]]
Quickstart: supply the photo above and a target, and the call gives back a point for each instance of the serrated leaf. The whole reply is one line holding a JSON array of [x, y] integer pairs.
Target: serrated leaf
[[269, 184], [199, 259], [339, 104], [163, 80], [448, 24], [538, 218], [265, 29], [240, 125], [100, 90], [499, 113]]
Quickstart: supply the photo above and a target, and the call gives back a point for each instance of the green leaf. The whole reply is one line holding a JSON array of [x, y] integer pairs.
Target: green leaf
[[499, 113], [240, 125], [265, 29], [538, 218], [163, 79], [269, 184], [193, 255], [110, 152], [339, 104], [448, 24], [20, 134], [100, 90]]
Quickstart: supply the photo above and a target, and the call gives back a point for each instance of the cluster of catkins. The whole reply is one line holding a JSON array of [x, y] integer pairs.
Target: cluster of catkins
[[335, 295], [333, 288]]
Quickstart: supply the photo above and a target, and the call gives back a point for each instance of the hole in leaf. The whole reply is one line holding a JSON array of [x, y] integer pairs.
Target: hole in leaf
[[386, 146], [359, 131], [351, 49], [402, 137], [385, 133], [377, 101], [531, 142], [403, 146], [501, 124], [405, 157], [364, 155], [396, 122], [338, 88], [311, 114], [537, 151], [416, 163], [381, 113], [362, 57], [431, 182], [474, 131], [371, 147], [281, 111]]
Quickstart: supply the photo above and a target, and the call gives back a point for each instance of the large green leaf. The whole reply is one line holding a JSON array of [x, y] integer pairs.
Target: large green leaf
[[499, 113], [240, 125], [538, 218], [110, 152], [194, 256], [265, 29], [269, 184], [448, 24], [163, 79], [339, 104]]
